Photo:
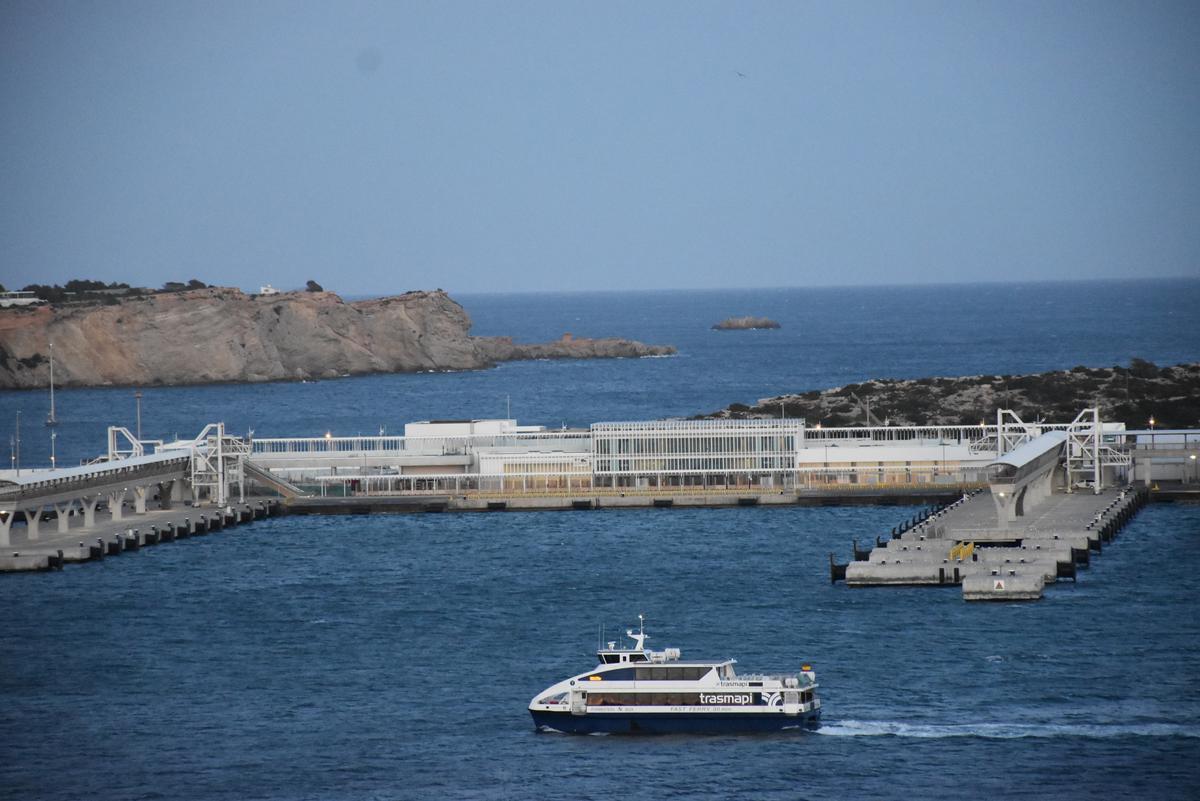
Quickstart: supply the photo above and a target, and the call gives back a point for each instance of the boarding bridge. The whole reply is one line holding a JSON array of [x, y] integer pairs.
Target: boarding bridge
[[1023, 478], [132, 474], [133, 479]]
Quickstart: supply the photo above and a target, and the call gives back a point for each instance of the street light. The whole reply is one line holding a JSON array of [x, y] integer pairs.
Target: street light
[[1151, 422], [53, 436], [1195, 476]]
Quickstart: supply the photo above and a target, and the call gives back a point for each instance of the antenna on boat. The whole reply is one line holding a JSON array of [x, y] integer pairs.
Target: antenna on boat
[[639, 639]]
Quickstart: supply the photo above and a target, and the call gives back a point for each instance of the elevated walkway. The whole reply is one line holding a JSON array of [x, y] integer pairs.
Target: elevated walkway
[[86, 487], [1023, 477]]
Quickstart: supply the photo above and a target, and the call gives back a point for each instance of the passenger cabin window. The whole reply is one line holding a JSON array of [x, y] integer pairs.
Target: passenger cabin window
[[657, 673], [618, 674], [608, 659], [638, 658]]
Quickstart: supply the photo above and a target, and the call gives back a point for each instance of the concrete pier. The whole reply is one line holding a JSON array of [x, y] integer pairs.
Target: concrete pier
[[966, 543], [113, 535], [613, 499]]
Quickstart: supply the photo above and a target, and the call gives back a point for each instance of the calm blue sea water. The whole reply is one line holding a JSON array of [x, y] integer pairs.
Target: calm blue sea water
[[393, 657]]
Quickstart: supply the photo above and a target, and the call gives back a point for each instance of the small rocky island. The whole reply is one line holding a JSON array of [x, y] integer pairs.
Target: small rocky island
[[745, 324], [1133, 394], [216, 334]]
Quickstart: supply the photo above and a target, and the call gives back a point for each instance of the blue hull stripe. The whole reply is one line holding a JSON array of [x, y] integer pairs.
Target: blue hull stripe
[[673, 723]]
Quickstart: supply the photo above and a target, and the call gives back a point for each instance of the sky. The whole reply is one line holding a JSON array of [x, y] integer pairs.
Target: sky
[[526, 146]]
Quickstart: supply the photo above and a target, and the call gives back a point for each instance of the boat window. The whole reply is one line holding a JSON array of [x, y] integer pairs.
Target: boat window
[[608, 659], [619, 674], [638, 658], [656, 673]]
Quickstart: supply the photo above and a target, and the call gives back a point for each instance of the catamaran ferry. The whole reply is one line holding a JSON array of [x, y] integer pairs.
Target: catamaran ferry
[[636, 690]]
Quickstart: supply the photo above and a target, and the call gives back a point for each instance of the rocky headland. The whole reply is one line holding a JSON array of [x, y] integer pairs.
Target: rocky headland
[[1134, 394], [745, 324], [220, 334]]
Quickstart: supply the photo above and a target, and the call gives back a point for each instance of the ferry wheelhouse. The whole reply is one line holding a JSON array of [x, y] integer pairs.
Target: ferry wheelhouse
[[637, 690]]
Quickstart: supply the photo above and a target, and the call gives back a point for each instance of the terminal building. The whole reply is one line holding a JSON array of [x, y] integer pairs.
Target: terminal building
[[758, 455]]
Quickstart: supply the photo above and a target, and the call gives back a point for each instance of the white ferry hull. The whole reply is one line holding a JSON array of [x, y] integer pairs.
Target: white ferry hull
[[673, 722]]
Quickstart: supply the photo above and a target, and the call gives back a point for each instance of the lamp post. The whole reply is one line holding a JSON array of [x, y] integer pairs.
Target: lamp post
[[137, 396], [1195, 475], [53, 437], [17, 447], [1150, 459]]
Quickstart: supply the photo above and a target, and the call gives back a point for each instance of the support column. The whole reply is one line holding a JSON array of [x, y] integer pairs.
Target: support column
[[6, 519], [64, 515], [169, 493], [1005, 504], [32, 516], [116, 502], [89, 503], [139, 499]]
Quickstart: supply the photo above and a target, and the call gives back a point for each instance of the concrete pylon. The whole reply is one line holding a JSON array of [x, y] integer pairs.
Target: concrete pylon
[[1017, 500], [32, 516], [64, 515], [89, 503], [6, 519], [116, 503], [139, 499]]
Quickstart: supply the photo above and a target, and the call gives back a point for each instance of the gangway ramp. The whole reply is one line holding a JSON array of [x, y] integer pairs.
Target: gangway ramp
[[265, 477]]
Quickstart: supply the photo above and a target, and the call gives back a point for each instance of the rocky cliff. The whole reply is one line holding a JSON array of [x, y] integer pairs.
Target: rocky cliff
[[220, 334], [1134, 394]]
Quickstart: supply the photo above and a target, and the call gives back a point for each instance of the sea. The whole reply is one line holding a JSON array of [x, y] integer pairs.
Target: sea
[[393, 657]]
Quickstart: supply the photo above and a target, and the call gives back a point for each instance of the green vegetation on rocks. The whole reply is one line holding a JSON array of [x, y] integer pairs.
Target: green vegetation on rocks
[[1133, 394]]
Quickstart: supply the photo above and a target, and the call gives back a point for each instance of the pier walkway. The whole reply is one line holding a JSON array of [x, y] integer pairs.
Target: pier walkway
[[109, 536]]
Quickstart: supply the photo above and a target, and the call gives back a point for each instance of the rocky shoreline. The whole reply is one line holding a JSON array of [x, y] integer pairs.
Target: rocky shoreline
[[1133, 394], [216, 335]]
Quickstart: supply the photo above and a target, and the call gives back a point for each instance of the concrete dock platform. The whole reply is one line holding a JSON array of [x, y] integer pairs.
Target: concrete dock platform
[[53, 549], [963, 543], [380, 503]]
